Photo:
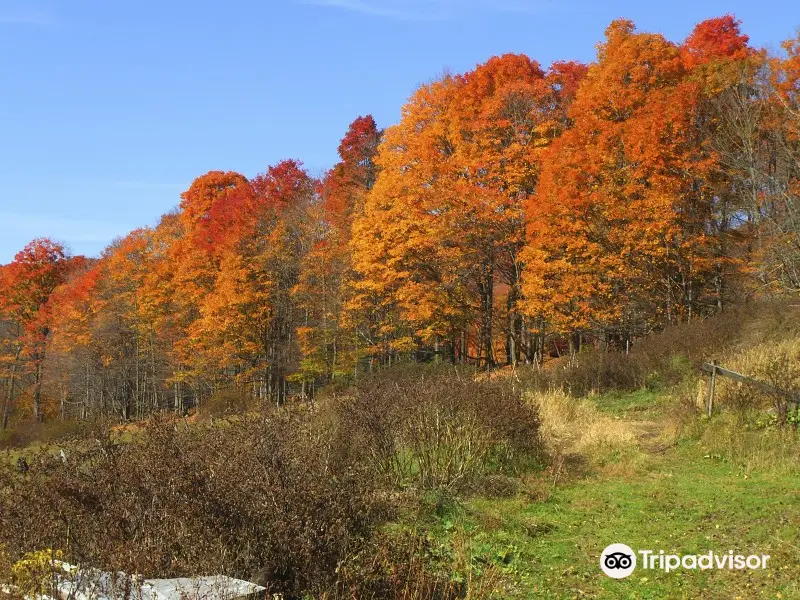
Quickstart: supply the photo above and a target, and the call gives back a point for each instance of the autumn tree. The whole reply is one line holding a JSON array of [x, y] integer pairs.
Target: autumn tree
[[759, 142], [72, 346], [442, 229], [247, 318], [27, 284], [329, 338], [99, 354], [190, 266], [10, 347], [782, 203], [619, 230], [509, 112]]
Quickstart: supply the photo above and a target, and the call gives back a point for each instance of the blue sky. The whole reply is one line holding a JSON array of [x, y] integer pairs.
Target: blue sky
[[108, 109]]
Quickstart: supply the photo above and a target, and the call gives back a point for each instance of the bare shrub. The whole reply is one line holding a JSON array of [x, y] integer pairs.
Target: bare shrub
[[597, 371], [399, 565], [257, 499], [226, 402], [293, 499], [437, 427], [26, 433]]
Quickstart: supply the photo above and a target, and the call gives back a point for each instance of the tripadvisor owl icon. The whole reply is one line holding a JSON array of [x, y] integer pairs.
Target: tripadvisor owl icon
[[618, 561]]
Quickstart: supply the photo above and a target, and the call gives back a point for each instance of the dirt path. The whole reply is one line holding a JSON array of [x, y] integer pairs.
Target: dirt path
[[654, 437]]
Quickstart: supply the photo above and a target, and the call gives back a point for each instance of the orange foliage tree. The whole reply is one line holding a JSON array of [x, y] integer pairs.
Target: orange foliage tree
[[27, 283], [329, 338], [246, 317], [442, 230], [620, 235]]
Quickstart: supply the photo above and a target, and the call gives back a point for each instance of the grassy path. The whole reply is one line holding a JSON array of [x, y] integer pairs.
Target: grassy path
[[672, 498]]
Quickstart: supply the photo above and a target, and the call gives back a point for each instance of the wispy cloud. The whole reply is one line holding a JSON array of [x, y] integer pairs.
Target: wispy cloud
[[368, 8], [433, 9]]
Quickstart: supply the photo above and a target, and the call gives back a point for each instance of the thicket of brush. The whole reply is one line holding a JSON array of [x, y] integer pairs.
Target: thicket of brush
[[754, 429], [416, 427], [749, 427], [293, 498], [301, 499], [672, 357]]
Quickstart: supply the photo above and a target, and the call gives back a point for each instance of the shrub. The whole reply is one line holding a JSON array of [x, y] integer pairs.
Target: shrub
[[26, 433], [256, 499], [599, 371], [437, 426], [402, 565], [34, 574], [226, 403]]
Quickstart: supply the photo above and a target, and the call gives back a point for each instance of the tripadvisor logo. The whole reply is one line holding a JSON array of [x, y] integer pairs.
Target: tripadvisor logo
[[619, 561]]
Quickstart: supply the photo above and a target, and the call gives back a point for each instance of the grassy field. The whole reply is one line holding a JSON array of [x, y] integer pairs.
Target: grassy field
[[546, 542], [641, 468]]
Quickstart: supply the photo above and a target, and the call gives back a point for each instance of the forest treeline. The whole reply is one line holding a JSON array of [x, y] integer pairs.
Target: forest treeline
[[511, 205]]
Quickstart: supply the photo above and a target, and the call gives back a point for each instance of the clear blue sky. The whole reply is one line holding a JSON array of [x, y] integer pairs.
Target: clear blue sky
[[109, 108]]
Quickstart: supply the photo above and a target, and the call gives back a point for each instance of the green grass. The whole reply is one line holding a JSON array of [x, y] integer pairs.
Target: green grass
[[545, 542], [678, 501], [643, 404]]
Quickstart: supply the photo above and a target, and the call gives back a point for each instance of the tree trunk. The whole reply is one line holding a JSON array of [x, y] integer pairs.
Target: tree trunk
[[487, 317], [37, 390], [9, 397], [514, 328], [63, 407], [87, 396], [177, 399], [575, 340], [12, 379]]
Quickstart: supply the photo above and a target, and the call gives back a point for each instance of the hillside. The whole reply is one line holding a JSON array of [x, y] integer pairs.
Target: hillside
[[515, 211], [425, 482], [539, 338]]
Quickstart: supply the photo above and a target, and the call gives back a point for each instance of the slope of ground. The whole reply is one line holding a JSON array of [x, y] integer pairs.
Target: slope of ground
[[661, 496]]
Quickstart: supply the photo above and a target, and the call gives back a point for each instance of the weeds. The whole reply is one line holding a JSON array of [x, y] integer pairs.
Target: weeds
[[438, 427], [744, 440], [294, 498], [575, 426]]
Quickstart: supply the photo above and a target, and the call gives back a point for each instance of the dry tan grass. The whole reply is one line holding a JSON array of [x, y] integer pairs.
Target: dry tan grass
[[774, 362], [575, 426], [744, 432], [771, 450]]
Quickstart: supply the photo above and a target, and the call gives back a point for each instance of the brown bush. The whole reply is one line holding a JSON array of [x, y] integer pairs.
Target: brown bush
[[26, 433], [226, 403], [436, 426], [255, 500], [293, 498], [398, 565], [670, 357]]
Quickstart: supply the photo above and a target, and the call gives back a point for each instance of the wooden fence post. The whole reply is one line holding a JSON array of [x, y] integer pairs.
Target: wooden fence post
[[712, 382], [713, 369]]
